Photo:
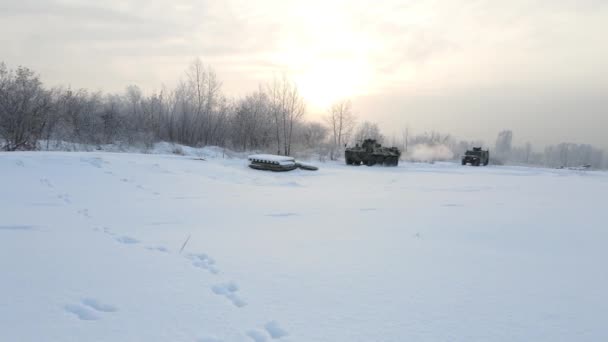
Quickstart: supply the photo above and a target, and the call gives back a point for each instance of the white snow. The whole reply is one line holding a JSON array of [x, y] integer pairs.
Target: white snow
[[273, 159], [90, 251]]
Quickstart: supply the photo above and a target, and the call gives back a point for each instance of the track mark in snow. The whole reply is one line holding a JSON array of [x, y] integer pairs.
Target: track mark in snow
[[65, 198], [257, 335], [127, 240], [187, 197], [19, 163], [274, 330], [282, 215], [96, 161], [205, 262], [98, 306], [452, 205], [291, 184], [84, 212], [368, 209], [107, 230], [81, 312], [46, 182], [18, 227], [229, 290], [158, 249]]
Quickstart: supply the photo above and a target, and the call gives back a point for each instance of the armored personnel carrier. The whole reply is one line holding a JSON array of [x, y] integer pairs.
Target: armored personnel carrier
[[371, 153], [476, 157]]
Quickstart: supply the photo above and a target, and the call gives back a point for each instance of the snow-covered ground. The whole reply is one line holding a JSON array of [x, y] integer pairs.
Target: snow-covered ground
[[90, 251]]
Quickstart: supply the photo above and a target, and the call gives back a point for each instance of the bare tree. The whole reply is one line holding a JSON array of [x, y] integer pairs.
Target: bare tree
[[287, 108], [251, 123], [313, 134], [24, 108], [341, 122], [369, 130]]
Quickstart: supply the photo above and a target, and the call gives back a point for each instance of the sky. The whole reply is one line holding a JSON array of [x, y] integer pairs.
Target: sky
[[466, 67]]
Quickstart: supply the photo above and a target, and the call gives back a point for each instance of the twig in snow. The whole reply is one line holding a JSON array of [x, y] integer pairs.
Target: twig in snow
[[184, 245]]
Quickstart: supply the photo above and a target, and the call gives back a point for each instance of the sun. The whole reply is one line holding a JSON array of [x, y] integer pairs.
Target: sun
[[327, 57], [326, 82]]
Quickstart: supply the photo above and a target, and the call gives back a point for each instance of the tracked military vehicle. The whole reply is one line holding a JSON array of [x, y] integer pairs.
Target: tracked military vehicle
[[476, 157], [371, 153]]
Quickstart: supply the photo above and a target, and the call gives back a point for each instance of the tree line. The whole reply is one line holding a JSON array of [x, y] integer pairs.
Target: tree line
[[195, 113], [198, 113]]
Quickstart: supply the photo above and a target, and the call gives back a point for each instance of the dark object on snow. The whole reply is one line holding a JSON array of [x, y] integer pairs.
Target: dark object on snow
[[307, 167], [371, 153], [476, 157], [270, 162], [577, 168]]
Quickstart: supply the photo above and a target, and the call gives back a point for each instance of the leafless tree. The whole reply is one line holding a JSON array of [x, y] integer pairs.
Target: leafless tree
[[25, 107], [369, 130], [341, 122], [251, 124], [287, 108]]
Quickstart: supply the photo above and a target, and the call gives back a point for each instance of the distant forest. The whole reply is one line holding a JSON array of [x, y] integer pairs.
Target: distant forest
[[197, 113]]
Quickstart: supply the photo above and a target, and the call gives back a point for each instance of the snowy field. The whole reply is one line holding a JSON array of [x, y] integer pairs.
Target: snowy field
[[90, 251]]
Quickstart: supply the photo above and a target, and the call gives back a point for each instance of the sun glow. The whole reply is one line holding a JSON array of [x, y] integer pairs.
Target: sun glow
[[327, 56], [326, 82]]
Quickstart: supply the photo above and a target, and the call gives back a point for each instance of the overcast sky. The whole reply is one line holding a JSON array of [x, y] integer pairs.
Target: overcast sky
[[468, 67]]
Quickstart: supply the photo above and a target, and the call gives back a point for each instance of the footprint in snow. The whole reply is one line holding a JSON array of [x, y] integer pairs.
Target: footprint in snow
[[229, 290], [274, 330], [158, 249], [127, 240], [18, 227], [89, 309], [205, 262], [452, 205], [81, 312], [107, 230], [282, 215], [257, 335], [96, 162], [19, 163], [271, 329], [65, 198], [46, 182], [84, 212], [98, 306]]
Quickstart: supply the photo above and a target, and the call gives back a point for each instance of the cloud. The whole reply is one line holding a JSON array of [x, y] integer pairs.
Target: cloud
[[391, 48]]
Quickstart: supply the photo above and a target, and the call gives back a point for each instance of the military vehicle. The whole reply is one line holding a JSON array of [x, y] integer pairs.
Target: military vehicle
[[371, 153], [476, 157]]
